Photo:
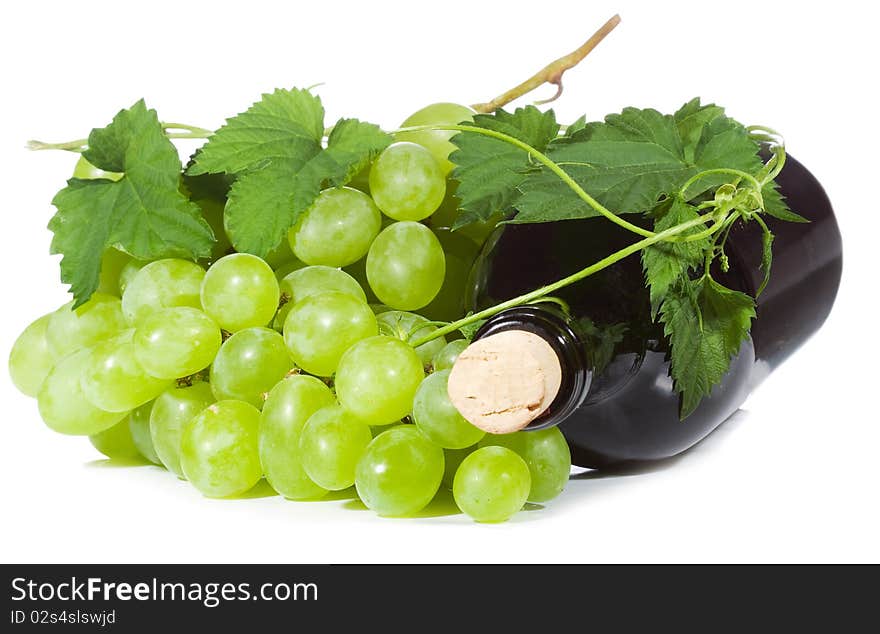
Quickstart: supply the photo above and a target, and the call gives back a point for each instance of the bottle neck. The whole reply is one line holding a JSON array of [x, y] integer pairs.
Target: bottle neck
[[551, 325]]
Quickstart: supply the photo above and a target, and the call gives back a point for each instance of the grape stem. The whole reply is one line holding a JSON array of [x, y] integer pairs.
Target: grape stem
[[718, 221], [551, 73], [80, 145]]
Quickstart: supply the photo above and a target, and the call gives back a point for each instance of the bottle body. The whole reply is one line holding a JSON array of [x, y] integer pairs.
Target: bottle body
[[629, 411]]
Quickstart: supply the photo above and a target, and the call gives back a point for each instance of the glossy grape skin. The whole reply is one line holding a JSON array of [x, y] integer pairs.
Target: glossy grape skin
[[139, 427], [113, 379], [319, 329], [176, 342], [331, 443], [337, 229], [113, 262], [436, 141], [312, 280], [219, 451], [403, 325], [30, 359], [400, 472], [162, 284], [406, 266], [240, 291], [249, 364], [460, 253], [446, 356], [126, 275], [547, 455], [96, 320], [171, 412], [116, 443], [453, 459], [288, 407], [63, 405], [377, 379], [436, 416], [406, 182], [491, 484]]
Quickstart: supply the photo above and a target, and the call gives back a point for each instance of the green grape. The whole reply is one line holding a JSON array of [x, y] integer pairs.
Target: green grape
[[436, 141], [331, 443], [139, 427], [453, 458], [406, 266], [288, 407], [249, 364], [30, 359], [320, 328], [491, 484], [63, 405], [172, 410], [445, 358], [406, 182], [70, 330], [126, 275], [312, 280], [403, 325], [547, 455], [240, 291], [213, 211], [162, 284], [219, 451], [436, 416], [116, 442], [114, 380], [176, 342], [400, 472], [337, 229], [460, 253], [377, 379], [87, 171], [113, 262]]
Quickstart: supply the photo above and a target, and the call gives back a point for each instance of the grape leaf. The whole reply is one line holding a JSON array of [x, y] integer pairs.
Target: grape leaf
[[490, 170], [665, 262], [631, 160], [775, 205], [275, 151], [143, 213], [706, 324]]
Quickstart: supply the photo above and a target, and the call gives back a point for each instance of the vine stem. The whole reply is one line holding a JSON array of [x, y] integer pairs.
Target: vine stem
[[571, 279], [552, 72], [80, 145], [544, 160]]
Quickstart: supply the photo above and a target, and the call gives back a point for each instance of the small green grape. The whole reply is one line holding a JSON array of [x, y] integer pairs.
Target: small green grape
[[126, 275], [240, 291], [312, 280], [331, 443], [406, 182], [288, 407], [113, 262], [406, 266], [63, 405], [337, 229], [377, 379], [87, 171], [404, 326], [436, 416], [320, 328], [491, 484], [162, 284], [139, 427], [71, 330], [249, 364], [437, 141], [116, 442], [30, 359], [176, 342], [399, 472], [446, 356], [219, 451], [547, 455], [172, 411]]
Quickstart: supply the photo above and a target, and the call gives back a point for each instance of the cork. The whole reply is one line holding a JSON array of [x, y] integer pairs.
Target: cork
[[503, 382]]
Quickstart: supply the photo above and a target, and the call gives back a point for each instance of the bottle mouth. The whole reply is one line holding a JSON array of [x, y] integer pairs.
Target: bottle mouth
[[552, 327]]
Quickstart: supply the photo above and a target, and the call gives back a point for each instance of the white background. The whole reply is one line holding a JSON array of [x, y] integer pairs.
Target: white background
[[791, 478]]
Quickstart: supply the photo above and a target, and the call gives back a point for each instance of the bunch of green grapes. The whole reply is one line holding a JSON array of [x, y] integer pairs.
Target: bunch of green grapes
[[238, 369]]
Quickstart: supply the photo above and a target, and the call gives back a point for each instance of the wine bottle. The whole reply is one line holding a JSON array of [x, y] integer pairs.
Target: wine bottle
[[608, 370]]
